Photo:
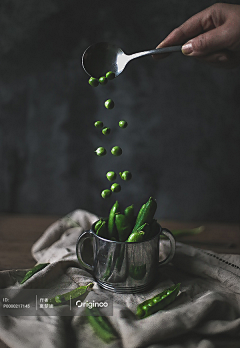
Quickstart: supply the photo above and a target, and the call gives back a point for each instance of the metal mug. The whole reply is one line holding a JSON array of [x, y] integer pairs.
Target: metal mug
[[124, 267]]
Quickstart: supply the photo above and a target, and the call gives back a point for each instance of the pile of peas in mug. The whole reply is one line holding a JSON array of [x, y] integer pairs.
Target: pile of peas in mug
[[116, 150]]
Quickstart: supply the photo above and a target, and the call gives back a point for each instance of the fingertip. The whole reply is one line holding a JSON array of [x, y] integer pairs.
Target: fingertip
[[187, 48]]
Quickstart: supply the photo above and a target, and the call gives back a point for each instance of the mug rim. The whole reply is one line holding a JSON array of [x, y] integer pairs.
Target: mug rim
[[118, 242]]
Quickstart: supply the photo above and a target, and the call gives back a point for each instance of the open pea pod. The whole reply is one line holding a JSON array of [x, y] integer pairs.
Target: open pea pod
[[157, 302]]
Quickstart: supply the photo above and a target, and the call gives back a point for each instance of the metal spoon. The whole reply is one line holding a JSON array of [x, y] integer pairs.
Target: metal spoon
[[102, 57]]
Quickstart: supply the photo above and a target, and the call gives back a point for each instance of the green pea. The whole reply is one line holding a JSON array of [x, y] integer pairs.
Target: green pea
[[103, 80], [116, 187], [163, 296], [150, 304], [116, 151], [111, 176], [98, 124], [144, 308], [106, 193], [110, 75], [155, 300], [93, 82], [106, 130], [126, 175], [101, 151], [123, 124], [109, 104]]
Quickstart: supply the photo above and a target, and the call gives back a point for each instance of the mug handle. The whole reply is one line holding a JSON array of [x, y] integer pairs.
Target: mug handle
[[169, 235], [85, 235]]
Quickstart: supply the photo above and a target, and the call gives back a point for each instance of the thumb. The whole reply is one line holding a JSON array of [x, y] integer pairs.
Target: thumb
[[209, 42]]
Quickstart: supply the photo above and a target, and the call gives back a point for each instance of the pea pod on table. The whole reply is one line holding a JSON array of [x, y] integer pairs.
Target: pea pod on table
[[61, 299], [101, 325], [157, 302], [34, 270]]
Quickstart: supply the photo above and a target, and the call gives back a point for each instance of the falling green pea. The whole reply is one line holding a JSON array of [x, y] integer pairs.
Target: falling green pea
[[126, 175], [101, 151], [106, 193], [115, 187], [123, 124], [109, 104], [98, 124], [110, 75], [93, 82], [103, 80], [106, 130], [111, 175], [116, 151]]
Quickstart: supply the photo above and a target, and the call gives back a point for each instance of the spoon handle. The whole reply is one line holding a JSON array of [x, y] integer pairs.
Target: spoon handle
[[156, 51], [166, 50]]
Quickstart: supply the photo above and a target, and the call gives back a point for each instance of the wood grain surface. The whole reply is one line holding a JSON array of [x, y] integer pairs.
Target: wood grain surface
[[19, 232]]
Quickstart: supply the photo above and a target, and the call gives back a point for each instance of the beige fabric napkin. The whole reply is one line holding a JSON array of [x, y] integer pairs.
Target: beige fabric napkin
[[206, 314]]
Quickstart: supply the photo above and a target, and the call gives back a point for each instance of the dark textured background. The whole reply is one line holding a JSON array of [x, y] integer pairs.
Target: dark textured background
[[183, 140]]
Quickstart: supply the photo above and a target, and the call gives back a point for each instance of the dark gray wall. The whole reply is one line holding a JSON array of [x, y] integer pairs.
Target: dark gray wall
[[183, 140]]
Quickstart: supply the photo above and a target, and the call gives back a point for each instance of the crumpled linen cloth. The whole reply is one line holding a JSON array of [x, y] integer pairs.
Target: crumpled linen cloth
[[206, 314]]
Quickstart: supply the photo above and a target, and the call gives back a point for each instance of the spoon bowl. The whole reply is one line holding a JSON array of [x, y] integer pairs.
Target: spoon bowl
[[102, 57]]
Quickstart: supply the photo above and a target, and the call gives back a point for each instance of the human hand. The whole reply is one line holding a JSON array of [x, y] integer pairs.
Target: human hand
[[212, 36]]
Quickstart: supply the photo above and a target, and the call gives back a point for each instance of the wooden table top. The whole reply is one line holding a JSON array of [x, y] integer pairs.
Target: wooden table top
[[19, 232]]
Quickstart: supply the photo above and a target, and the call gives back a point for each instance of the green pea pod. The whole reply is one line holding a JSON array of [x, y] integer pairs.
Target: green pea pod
[[129, 213], [190, 231], [136, 237], [140, 213], [146, 213], [101, 325], [112, 230], [97, 225], [186, 232], [61, 299], [34, 270], [142, 228], [158, 302], [123, 227], [102, 230]]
